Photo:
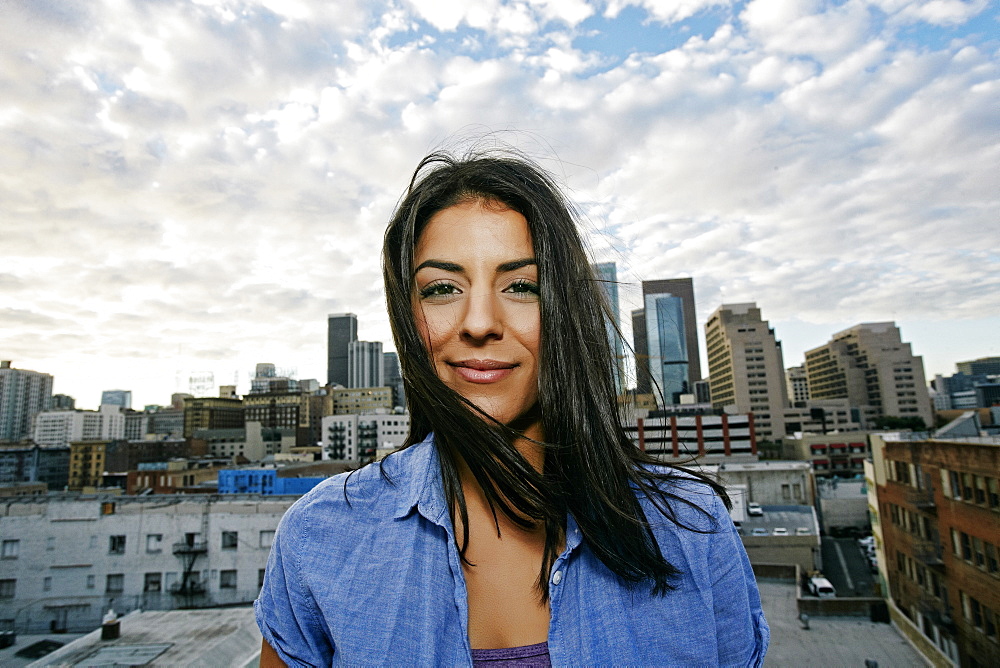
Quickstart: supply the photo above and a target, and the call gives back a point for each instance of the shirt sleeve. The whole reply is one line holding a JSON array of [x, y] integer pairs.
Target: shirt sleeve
[[286, 612], [741, 630]]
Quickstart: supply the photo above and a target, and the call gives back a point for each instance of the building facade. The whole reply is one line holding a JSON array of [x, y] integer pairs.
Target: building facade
[[667, 349], [60, 428], [393, 377], [870, 365], [360, 437], [122, 398], [607, 276], [939, 509], [342, 329], [23, 394], [839, 454], [365, 364], [212, 413], [797, 384], [709, 435], [746, 367], [358, 401], [67, 559]]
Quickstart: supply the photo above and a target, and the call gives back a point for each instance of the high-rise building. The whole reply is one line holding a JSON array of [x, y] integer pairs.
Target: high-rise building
[[393, 378], [23, 394], [607, 276], [669, 354], [870, 366], [985, 366], [121, 398], [60, 428], [364, 364], [746, 367], [342, 329], [62, 402], [797, 384]]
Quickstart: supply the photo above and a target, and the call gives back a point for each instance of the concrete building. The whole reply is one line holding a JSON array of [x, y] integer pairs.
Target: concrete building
[[266, 482], [770, 482], [365, 364], [797, 384], [607, 276], [68, 558], [60, 428], [62, 402], [252, 442], [665, 335], [23, 394], [821, 416], [295, 411], [342, 329], [870, 365], [360, 437], [711, 436], [358, 401], [840, 454], [842, 504], [211, 413], [122, 398], [938, 507], [787, 534], [746, 367]]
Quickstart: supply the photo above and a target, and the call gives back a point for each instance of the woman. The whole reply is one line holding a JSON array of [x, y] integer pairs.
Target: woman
[[519, 523]]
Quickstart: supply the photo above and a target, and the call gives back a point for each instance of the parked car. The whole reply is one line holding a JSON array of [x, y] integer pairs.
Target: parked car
[[753, 508], [820, 586], [759, 531], [779, 531], [802, 531]]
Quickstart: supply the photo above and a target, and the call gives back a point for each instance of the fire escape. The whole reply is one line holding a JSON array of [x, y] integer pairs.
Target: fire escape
[[191, 585]]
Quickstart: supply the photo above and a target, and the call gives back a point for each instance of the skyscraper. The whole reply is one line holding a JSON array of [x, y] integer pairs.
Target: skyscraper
[[746, 367], [870, 366], [364, 365], [392, 377], [342, 329], [23, 394], [669, 354], [121, 398], [607, 275]]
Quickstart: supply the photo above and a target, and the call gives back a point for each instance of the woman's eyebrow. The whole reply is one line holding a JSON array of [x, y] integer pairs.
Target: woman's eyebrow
[[440, 264], [514, 265]]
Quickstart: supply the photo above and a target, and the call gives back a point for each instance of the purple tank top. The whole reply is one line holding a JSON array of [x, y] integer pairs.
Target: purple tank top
[[528, 656]]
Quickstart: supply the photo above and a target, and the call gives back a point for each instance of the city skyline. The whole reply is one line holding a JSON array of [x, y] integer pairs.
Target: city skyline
[[191, 188]]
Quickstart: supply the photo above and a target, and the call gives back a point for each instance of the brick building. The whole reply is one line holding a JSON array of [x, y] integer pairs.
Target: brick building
[[939, 510]]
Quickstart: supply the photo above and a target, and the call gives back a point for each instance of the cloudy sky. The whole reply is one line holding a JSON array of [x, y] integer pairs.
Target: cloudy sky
[[191, 187]]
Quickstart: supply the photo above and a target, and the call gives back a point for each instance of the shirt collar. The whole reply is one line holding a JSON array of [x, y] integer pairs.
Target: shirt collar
[[421, 478]]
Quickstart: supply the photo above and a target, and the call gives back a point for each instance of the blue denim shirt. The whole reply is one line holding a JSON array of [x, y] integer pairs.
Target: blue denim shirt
[[379, 581]]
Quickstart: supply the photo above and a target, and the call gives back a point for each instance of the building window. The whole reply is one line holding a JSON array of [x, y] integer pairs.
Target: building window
[[266, 538], [966, 546], [9, 549], [8, 588], [229, 540], [116, 545], [50, 543], [90, 582], [115, 583], [47, 583], [786, 491], [227, 579], [154, 542], [260, 577], [153, 582]]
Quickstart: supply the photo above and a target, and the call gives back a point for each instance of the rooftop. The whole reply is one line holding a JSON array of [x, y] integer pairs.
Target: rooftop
[[829, 641], [216, 637]]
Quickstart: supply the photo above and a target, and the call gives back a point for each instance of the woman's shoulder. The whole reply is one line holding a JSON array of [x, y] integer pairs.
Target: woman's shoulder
[[378, 489], [694, 503]]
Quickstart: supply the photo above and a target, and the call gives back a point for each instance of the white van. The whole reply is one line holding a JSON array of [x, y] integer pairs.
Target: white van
[[821, 587]]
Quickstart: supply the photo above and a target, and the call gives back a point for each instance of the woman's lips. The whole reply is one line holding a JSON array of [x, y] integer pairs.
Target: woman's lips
[[483, 371]]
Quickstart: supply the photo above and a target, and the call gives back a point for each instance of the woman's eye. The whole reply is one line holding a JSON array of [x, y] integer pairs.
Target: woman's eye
[[526, 289], [438, 290]]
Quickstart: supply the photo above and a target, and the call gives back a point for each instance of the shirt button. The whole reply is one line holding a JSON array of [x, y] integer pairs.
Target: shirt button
[[557, 577]]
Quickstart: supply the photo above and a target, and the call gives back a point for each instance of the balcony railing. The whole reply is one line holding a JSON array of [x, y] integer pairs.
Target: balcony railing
[[929, 552], [196, 547], [188, 588], [922, 498]]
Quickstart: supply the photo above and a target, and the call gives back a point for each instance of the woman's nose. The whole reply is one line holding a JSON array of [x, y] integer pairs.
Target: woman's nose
[[483, 318]]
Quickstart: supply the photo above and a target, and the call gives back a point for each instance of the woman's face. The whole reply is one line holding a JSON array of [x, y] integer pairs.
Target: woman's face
[[476, 304]]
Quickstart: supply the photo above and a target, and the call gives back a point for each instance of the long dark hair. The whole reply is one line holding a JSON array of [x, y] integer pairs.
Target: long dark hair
[[591, 468]]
